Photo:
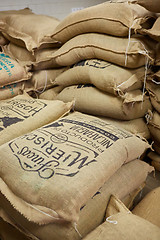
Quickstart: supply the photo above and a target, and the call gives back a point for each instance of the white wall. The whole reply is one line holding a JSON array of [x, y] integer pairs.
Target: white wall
[[56, 8]]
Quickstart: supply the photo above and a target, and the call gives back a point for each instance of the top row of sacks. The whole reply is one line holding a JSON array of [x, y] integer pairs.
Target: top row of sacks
[[29, 30]]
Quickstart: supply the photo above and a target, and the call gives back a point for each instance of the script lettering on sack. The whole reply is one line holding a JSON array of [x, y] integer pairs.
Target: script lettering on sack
[[64, 147]]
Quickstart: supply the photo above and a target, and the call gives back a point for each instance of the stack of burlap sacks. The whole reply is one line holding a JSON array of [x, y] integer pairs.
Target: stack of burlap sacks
[[26, 38], [71, 167], [56, 181], [153, 87], [107, 63]]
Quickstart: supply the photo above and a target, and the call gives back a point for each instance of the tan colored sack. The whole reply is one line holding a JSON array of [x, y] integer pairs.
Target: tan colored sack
[[22, 114], [59, 160], [42, 58], [91, 215], [3, 40], [18, 52], [122, 224], [12, 71], [154, 126], [15, 89], [104, 75], [120, 51], [50, 94], [136, 126], [151, 5], [30, 30], [149, 207], [44, 79], [155, 160], [153, 87], [110, 18], [90, 100]]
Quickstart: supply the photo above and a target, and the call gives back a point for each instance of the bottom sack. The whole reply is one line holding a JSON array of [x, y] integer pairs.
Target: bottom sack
[[128, 178], [122, 224]]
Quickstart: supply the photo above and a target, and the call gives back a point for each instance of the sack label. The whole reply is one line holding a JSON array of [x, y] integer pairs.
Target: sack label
[[96, 63], [6, 64], [17, 110], [64, 147]]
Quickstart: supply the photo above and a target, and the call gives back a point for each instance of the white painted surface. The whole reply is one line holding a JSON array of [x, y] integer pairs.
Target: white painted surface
[[56, 8]]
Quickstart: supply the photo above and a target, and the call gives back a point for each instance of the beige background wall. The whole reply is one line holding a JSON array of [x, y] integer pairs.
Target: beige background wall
[[56, 8]]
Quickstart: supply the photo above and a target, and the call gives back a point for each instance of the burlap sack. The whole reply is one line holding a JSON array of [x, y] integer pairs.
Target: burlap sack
[[41, 59], [104, 75], [22, 114], [149, 207], [154, 126], [3, 40], [12, 71], [91, 215], [18, 52], [110, 18], [155, 160], [44, 79], [30, 30], [47, 169], [90, 100], [153, 87], [136, 126], [15, 89], [45, 60], [122, 224], [50, 94], [151, 5], [120, 51]]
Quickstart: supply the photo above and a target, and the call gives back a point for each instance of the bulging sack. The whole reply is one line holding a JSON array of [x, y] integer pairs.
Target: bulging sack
[[121, 222], [149, 207], [41, 59], [17, 52], [121, 51], [136, 171], [57, 161], [136, 126], [90, 100], [12, 71], [110, 18], [22, 114], [18, 28], [50, 94], [104, 75], [44, 79]]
